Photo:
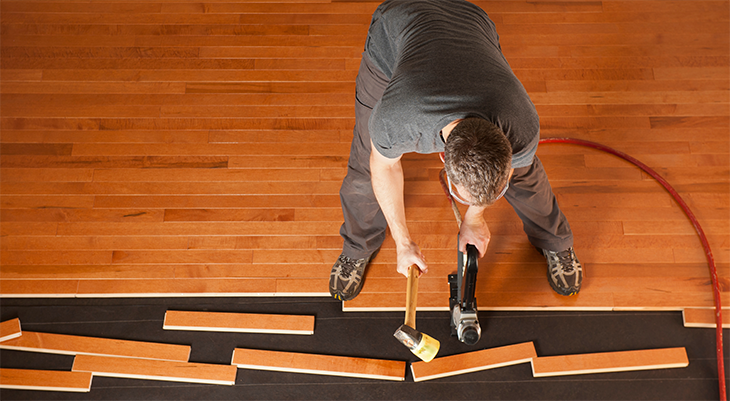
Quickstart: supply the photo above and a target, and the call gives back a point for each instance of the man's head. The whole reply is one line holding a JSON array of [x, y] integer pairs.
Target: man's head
[[478, 158]]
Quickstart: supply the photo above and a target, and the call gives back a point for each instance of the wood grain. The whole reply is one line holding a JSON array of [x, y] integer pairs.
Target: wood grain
[[146, 369], [605, 362], [81, 345], [45, 380], [319, 364], [238, 322]]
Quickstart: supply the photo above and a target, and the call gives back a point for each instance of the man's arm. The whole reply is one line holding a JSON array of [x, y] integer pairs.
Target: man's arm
[[387, 178]]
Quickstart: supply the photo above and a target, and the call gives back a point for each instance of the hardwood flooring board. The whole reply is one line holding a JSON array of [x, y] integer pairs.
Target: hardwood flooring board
[[107, 137], [69, 272], [239, 322], [112, 124], [176, 288], [47, 174], [38, 288], [56, 257], [219, 149], [89, 75], [309, 270], [658, 301], [153, 257], [219, 202], [284, 228], [267, 87], [27, 228], [146, 369], [69, 215], [274, 8], [10, 329], [82, 345], [299, 256], [252, 161], [94, 87], [672, 227], [45, 380], [635, 17], [109, 243], [248, 111], [632, 110], [288, 97], [282, 136], [704, 318], [473, 361], [52, 201], [229, 215], [51, 7], [319, 364], [22, 75], [52, 149], [637, 88], [75, 111], [610, 362]]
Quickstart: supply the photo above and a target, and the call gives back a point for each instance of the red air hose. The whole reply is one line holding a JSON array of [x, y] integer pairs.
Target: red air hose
[[700, 232]]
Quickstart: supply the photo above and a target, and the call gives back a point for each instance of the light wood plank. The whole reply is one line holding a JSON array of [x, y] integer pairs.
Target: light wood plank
[[319, 364], [704, 318], [146, 369], [473, 361], [622, 361], [45, 380], [82, 345], [10, 329], [121, 288], [238, 322]]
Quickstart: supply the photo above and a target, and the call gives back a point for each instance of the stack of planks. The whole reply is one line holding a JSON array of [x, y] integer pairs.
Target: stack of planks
[[154, 361], [159, 148]]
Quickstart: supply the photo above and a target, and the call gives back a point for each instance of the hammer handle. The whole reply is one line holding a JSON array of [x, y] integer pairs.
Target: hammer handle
[[411, 296]]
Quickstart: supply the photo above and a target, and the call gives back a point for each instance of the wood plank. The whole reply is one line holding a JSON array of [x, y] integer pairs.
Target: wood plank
[[319, 364], [122, 288], [10, 329], [83, 345], [475, 361], [45, 380], [704, 318], [43, 288], [622, 361], [238, 322], [147, 369]]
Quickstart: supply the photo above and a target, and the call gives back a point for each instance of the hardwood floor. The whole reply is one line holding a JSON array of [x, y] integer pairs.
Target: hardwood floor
[[175, 148]]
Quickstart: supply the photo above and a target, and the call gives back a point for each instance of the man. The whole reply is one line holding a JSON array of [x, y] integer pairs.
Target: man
[[433, 79]]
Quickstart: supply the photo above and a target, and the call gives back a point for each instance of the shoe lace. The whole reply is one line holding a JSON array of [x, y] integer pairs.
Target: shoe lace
[[565, 260], [348, 266]]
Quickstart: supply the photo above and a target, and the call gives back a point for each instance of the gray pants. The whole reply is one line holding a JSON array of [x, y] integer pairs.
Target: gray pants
[[364, 228]]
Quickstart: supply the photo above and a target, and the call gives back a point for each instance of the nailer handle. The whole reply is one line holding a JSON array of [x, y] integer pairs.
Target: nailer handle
[[411, 296]]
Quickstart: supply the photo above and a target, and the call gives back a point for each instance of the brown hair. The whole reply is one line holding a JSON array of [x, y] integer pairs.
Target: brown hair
[[478, 157]]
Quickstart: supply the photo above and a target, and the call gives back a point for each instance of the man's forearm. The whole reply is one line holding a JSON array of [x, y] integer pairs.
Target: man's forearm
[[387, 183]]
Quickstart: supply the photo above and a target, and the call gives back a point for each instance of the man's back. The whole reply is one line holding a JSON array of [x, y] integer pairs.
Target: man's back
[[445, 63]]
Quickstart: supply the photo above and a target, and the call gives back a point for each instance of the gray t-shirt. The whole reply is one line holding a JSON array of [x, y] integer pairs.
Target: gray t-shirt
[[444, 62]]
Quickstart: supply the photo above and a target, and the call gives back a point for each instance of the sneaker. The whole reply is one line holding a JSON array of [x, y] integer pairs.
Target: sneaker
[[346, 279], [565, 273]]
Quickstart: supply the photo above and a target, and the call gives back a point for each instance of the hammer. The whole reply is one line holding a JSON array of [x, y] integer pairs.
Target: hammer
[[422, 345]]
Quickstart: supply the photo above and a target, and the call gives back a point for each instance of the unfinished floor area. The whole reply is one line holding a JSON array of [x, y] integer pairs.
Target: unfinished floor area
[[159, 152]]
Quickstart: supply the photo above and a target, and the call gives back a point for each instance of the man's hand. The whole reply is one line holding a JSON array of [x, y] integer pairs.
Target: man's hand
[[408, 255], [474, 230]]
